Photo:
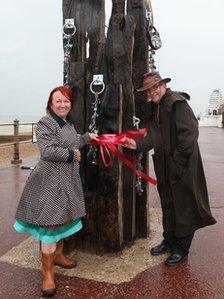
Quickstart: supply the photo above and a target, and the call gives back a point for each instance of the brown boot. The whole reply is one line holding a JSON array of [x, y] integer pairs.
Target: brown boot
[[48, 289], [62, 260]]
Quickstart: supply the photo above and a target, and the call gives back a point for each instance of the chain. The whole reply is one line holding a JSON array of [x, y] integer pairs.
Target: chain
[[152, 66], [68, 45], [93, 127], [138, 183], [149, 20]]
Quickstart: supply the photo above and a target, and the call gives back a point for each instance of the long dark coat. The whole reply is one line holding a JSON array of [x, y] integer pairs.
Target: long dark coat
[[173, 133]]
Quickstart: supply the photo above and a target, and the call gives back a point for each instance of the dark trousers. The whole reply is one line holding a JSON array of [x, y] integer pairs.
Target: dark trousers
[[178, 244]]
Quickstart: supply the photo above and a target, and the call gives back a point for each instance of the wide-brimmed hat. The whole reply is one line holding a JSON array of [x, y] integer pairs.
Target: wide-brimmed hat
[[151, 79]]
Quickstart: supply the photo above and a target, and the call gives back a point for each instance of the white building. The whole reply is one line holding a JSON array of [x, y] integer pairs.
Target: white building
[[213, 117], [215, 101]]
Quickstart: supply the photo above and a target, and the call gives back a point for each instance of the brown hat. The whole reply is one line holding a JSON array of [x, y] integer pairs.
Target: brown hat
[[151, 79]]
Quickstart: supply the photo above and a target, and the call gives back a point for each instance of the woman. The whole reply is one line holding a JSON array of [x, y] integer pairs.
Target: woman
[[52, 202]]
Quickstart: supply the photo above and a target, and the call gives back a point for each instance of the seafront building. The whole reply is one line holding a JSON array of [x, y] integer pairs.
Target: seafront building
[[214, 115], [215, 101]]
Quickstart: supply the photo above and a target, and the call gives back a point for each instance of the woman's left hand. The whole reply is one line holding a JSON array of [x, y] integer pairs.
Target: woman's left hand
[[93, 136]]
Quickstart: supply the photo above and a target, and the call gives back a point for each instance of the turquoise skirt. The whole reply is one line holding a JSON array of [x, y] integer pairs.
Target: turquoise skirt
[[48, 235]]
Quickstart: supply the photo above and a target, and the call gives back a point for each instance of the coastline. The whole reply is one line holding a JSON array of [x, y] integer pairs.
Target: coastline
[[25, 150]]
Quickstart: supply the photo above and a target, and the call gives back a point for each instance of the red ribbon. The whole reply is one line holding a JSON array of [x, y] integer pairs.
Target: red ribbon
[[109, 143]]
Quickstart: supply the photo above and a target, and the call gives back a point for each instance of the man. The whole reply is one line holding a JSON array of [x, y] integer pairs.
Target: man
[[173, 133]]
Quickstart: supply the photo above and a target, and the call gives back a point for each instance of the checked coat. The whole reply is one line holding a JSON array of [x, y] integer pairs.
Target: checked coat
[[53, 192]]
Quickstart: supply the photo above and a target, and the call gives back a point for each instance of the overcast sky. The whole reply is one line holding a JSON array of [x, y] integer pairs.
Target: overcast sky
[[31, 54]]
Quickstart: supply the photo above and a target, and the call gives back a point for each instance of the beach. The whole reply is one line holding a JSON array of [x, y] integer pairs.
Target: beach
[[25, 149]]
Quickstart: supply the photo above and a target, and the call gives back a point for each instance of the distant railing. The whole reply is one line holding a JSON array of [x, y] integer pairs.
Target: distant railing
[[16, 138]]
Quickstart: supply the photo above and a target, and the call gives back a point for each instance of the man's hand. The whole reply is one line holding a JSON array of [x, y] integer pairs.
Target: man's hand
[[130, 143], [77, 155]]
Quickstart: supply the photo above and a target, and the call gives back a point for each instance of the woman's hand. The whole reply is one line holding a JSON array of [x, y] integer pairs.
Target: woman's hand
[[77, 155], [130, 143], [93, 136]]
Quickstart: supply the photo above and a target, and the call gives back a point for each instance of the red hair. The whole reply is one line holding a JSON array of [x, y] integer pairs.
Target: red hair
[[65, 90]]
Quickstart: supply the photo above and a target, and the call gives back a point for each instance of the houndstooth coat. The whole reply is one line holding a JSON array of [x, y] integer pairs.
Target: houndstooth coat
[[53, 192]]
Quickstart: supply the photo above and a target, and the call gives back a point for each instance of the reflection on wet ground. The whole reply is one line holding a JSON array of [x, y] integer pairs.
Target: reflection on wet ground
[[201, 276]]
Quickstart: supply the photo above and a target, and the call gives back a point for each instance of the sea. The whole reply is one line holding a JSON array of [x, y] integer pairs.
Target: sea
[[7, 120]]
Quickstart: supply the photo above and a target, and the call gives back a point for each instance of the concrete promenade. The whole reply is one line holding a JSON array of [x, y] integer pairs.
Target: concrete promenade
[[200, 276]]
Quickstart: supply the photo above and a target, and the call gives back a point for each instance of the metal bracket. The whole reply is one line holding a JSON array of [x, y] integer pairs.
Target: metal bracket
[[97, 79], [136, 122], [69, 23], [149, 17]]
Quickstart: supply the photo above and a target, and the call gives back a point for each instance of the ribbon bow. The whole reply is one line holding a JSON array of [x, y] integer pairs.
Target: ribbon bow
[[109, 143]]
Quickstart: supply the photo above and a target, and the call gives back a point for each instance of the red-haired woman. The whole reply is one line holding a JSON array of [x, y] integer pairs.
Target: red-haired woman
[[52, 202]]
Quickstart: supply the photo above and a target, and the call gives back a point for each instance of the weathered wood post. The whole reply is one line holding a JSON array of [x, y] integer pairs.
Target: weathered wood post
[[117, 193], [137, 9], [115, 214]]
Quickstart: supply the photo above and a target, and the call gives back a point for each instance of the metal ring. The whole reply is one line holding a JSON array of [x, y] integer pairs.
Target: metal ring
[[71, 27], [98, 92]]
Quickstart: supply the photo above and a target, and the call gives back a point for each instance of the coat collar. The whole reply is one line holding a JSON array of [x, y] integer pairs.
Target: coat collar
[[170, 97], [58, 119]]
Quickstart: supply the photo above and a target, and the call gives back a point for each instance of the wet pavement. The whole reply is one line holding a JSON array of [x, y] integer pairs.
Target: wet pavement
[[201, 276]]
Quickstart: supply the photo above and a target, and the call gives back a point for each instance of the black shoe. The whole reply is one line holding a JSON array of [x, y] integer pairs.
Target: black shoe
[[48, 293], [160, 249], [175, 258]]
